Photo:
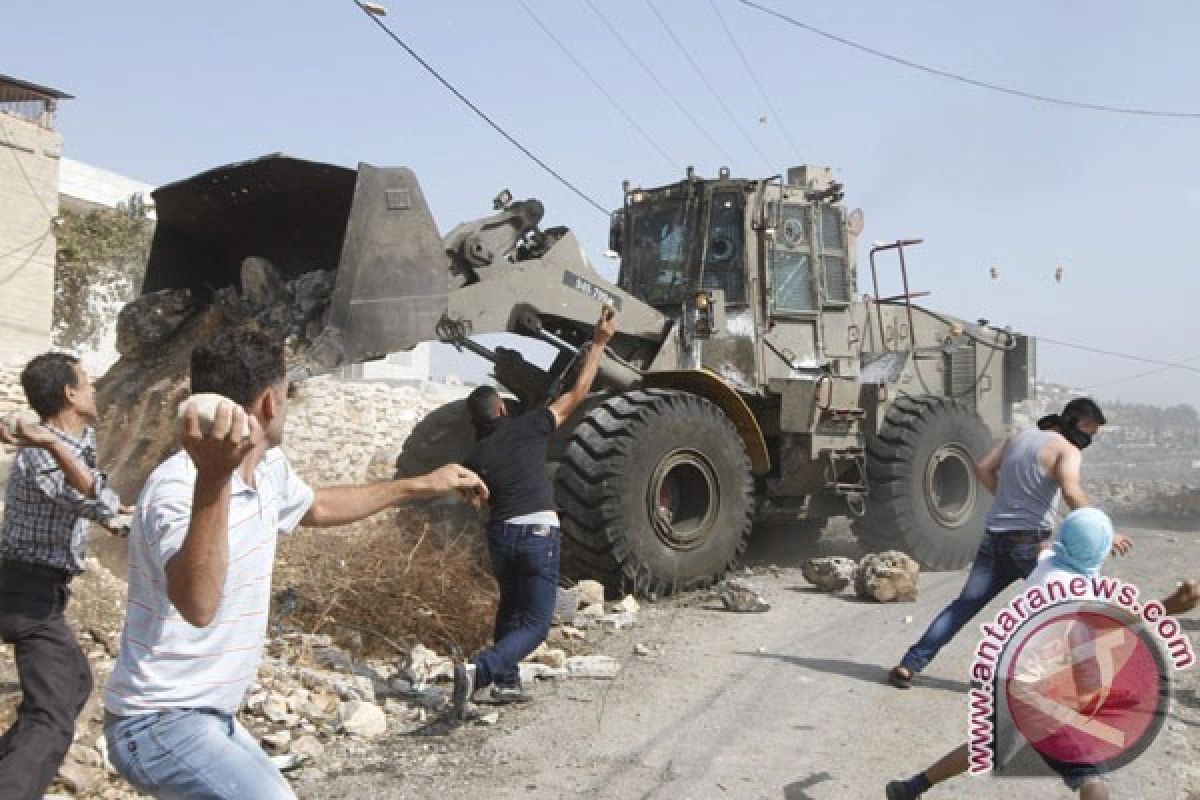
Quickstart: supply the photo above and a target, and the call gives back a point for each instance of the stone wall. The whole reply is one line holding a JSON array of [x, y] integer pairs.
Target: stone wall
[[347, 432], [338, 432]]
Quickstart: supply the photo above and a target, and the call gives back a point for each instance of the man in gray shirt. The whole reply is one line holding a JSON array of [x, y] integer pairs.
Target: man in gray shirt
[[1027, 474]]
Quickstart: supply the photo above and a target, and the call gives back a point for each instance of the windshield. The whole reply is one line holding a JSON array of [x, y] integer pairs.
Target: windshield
[[723, 252], [656, 253]]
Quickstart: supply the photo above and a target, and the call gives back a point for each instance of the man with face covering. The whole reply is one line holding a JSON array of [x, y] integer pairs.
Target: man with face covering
[[1027, 474], [1083, 542]]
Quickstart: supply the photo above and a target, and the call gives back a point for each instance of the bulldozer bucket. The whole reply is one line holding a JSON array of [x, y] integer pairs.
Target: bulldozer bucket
[[371, 225]]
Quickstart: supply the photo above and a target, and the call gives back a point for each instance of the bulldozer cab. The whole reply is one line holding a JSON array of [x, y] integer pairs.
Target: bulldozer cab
[[700, 235], [678, 239]]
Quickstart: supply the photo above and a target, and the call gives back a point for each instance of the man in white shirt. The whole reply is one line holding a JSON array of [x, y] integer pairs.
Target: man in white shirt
[[200, 558]]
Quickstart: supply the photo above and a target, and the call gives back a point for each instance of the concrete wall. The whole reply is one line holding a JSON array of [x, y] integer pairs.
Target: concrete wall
[[409, 367], [29, 162], [84, 186]]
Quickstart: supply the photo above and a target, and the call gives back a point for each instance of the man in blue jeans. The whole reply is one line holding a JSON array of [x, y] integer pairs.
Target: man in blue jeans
[[1027, 475], [524, 541], [201, 554]]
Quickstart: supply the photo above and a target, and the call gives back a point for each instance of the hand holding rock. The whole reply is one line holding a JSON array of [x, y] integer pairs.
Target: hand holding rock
[[217, 433]]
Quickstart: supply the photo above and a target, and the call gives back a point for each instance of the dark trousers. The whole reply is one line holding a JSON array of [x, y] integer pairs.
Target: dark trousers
[[1003, 558], [525, 561], [55, 677]]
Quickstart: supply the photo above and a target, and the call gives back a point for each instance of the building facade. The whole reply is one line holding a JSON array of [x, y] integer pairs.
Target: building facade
[[30, 151]]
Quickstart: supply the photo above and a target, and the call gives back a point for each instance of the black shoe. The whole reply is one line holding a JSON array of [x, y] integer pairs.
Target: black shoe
[[504, 695], [898, 790], [901, 677], [460, 697]]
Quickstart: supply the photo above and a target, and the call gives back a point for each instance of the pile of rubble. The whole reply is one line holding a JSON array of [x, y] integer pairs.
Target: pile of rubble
[[890, 576], [314, 702]]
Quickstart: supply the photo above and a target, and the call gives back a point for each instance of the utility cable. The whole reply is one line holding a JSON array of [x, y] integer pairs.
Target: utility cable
[[35, 242], [1137, 375], [775, 115], [654, 77], [704, 79], [9, 142], [478, 112], [600, 87], [1159, 362], [980, 84], [29, 258]]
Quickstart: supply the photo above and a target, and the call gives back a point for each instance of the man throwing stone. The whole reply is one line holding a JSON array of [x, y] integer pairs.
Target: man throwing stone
[[53, 490], [200, 559], [524, 540], [1027, 475]]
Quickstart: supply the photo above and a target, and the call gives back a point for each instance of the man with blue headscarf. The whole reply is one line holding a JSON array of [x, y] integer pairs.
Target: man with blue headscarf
[[1083, 542]]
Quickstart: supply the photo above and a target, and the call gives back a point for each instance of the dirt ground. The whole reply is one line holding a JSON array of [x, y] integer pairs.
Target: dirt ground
[[788, 704]]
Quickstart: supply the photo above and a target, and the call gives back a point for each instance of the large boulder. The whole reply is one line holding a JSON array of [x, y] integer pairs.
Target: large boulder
[[829, 574], [887, 577]]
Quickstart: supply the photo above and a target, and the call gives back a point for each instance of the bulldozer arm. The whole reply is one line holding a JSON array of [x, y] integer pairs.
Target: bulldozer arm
[[372, 225]]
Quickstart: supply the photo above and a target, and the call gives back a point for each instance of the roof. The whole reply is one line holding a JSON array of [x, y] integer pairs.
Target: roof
[[8, 80]]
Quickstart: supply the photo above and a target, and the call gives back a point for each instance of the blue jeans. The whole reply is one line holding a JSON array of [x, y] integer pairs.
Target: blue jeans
[[192, 753], [525, 563], [999, 562]]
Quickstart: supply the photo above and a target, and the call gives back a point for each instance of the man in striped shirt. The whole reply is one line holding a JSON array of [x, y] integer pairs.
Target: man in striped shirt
[[54, 489], [200, 559]]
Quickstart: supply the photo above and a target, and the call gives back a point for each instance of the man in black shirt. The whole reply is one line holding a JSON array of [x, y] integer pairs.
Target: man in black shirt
[[524, 540]]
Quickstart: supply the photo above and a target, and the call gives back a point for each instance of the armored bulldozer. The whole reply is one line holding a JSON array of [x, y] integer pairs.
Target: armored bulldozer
[[749, 379]]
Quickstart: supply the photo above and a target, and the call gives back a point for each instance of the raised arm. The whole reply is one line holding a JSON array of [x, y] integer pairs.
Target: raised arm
[[341, 505], [81, 489], [565, 405], [196, 573]]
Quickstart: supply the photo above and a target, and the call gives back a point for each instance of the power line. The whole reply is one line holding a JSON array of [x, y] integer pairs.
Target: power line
[[478, 112], [980, 84], [11, 144], [757, 83], [32, 254], [600, 87], [1159, 362], [665, 89], [1137, 375], [36, 241], [732, 118]]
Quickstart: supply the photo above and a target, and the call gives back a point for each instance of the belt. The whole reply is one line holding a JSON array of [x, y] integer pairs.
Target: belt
[[37, 570], [533, 528], [1023, 537]]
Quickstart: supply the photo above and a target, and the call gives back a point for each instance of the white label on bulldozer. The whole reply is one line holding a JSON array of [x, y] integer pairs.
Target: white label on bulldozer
[[581, 284]]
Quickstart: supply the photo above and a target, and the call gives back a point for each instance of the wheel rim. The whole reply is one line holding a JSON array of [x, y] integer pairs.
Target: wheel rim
[[683, 499], [950, 485]]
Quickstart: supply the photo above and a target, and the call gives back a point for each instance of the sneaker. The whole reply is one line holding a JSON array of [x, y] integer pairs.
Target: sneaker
[[464, 687], [504, 695], [898, 790]]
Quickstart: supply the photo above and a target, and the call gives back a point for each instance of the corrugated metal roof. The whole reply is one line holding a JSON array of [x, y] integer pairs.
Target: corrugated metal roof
[[7, 81]]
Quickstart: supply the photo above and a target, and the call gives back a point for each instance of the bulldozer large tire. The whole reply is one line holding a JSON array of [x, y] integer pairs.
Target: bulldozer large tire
[[924, 498], [655, 492]]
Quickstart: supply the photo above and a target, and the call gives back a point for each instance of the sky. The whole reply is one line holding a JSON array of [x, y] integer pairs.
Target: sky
[[164, 90]]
